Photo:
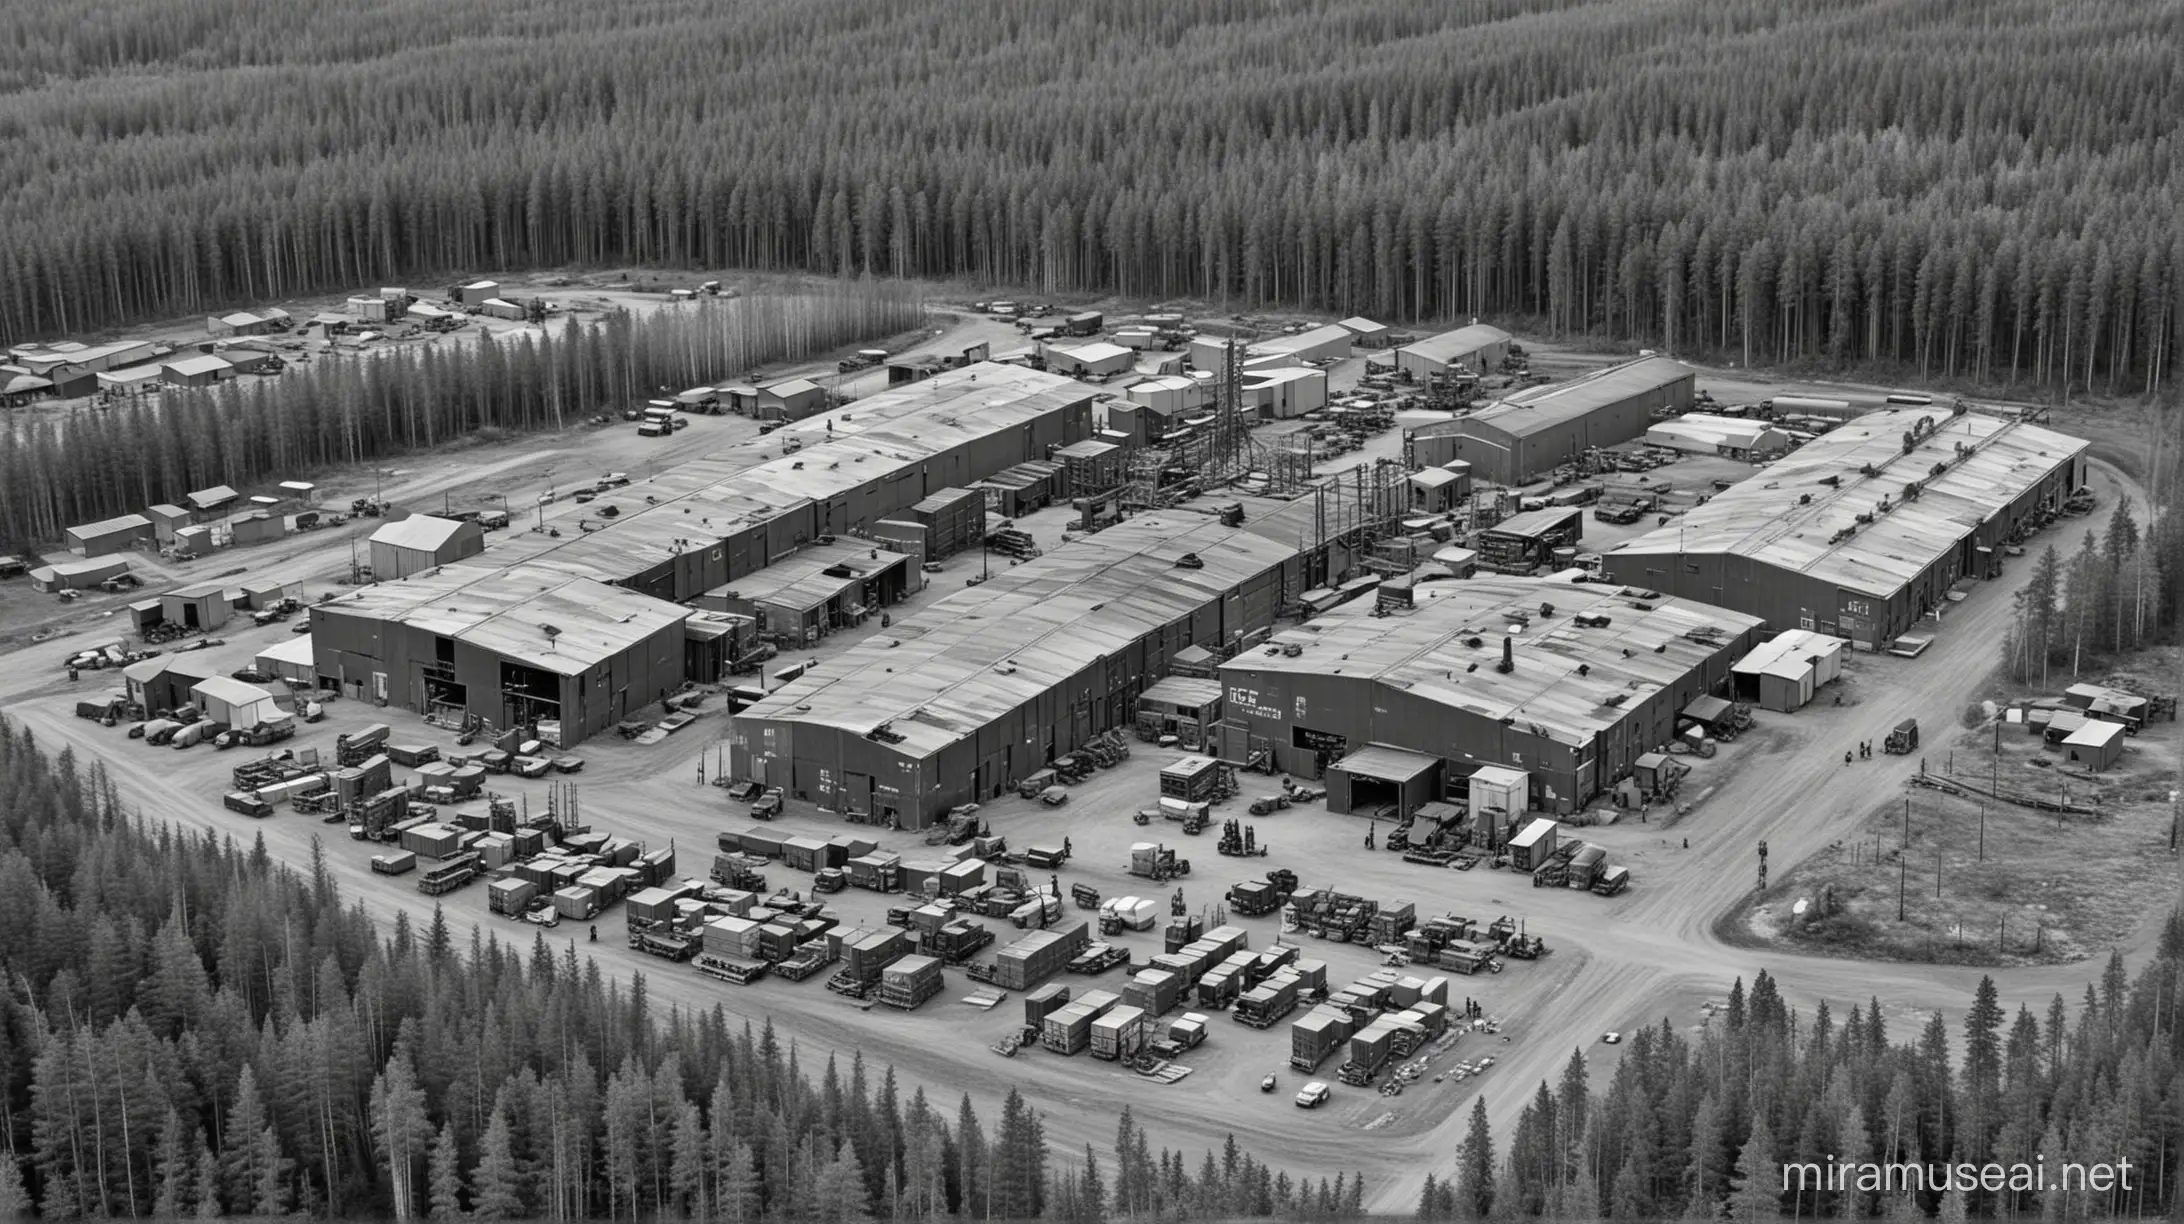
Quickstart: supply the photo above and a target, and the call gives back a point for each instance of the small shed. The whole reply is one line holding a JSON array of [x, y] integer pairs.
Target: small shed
[[1499, 797], [203, 606], [1181, 706], [423, 542], [164, 682], [230, 701], [264, 593], [1366, 333], [1533, 845], [477, 293], [132, 380], [1434, 491], [166, 520], [299, 490], [1098, 359], [256, 527], [790, 400], [2096, 744], [502, 308], [291, 660], [110, 536]]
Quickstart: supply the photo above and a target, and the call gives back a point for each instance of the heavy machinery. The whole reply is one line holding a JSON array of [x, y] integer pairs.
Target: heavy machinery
[[1152, 862], [1239, 840]]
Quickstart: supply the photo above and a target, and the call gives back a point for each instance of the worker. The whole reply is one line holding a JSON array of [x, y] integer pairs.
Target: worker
[[1846, 758], [1687, 843], [595, 934], [1067, 850]]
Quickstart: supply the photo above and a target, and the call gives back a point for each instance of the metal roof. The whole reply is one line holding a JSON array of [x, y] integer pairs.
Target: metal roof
[[1098, 351], [790, 386], [1189, 692], [1708, 430], [509, 611], [2096, 732], [419, 531], [1432, 478], [181, 665], [1532, 833], [112, 526], [1533, 523], [206, 364], [978, 653], [1450, 346], [1427, 651], [1536, 408], [1330, 333], [229, 690], [217, 495], [1362, 325], [1387, 763], [1785, 517], [800, 580]]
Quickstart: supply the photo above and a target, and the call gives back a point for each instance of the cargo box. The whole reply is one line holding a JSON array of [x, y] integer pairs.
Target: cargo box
[[1118, 1033], [510, 898], [1043, 1002], [1067, 1030], [1154, 992], [577, 902], [733, 937], [763, 842], [393, 862]]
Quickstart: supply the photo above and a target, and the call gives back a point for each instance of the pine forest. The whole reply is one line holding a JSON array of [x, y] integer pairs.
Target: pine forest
[[1971, 189], [351, 410], [190, 1030]]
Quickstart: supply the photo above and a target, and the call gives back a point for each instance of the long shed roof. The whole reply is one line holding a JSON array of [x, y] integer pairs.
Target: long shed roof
[[981, 652], [1533, 409], [1788, 518], [1428, 652], [1452, 345]]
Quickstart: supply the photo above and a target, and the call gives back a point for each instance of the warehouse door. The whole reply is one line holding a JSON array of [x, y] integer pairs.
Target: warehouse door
[[857, 796]]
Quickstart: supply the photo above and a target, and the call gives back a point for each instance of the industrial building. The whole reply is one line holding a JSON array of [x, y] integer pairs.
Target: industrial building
[[825, 587], [1365, 333], [128, 380], [212, 500], [246, 322], [1187, 708], [73, 368], [290, 661], [477, 293], [1526, 435], [77, 575], [1699, 433], [203, 606], [713, 520], [422, 542], [1329, 343], [110, 536], [2095, 744], [1862, 531], [1784, 673], [202, 370], [526, 647], [1476, 348], [1530, 541], [1095, 360], [1568, 684], [992, 683], [791, 399], [1283, 394], [225, 700], [164, 681]]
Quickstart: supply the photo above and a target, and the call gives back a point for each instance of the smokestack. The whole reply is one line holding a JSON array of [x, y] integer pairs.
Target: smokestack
[[1508, 656]]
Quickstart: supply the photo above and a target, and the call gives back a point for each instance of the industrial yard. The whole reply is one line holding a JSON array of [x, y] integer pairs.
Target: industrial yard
[[1348, 723]]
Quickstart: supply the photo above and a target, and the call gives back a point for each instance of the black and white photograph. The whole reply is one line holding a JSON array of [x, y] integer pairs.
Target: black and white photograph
[[1008, 611]]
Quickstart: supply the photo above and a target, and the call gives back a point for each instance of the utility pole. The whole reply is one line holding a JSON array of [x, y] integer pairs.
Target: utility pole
[[1982, 830], [1903, 879], [1907, 822]]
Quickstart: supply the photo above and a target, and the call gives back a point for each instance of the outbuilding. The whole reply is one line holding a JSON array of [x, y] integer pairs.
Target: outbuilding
[[227, 700], [290, 660], [212, 501], [477, 293], [110, 536], [132, 380], [1367, 334], [791, 399], [824, 587], [166, 521], [203, 606], [1533, 845], [1476, 348], [164, 681], [1283, 394], [77, 575], [2096, 744], [1185, 707], [1380, 779], [1525, 542], [1315, 345], [1099, 359], [1436, 490], [422, 542], [202, 370]]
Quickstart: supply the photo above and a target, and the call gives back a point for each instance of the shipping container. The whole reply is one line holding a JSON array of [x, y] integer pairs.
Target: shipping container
[[1154, 992], [1118, 1033], [732, 937], [909, 982], [1067, 1030], [577, 902], [1369, 1048], [1313, 1038], [1043, 1002], [510, 898]]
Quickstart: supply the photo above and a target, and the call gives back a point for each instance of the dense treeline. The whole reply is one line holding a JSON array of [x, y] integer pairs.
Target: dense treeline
[[1981, 188], [348, 410], [191, 1029], [2113, 596], [1700, 1128]]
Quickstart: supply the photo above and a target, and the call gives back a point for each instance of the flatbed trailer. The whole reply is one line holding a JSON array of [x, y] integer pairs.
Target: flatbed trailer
[[738, 969]]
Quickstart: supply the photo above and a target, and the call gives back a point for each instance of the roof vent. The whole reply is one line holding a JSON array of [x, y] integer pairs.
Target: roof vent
[[1508, 657]]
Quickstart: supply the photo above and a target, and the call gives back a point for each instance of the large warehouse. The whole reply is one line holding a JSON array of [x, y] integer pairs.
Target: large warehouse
[[992, 683], [1402, 709], [1476, 348], [1864, 529], [1526, 435], [713, 519], [518, 647]]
